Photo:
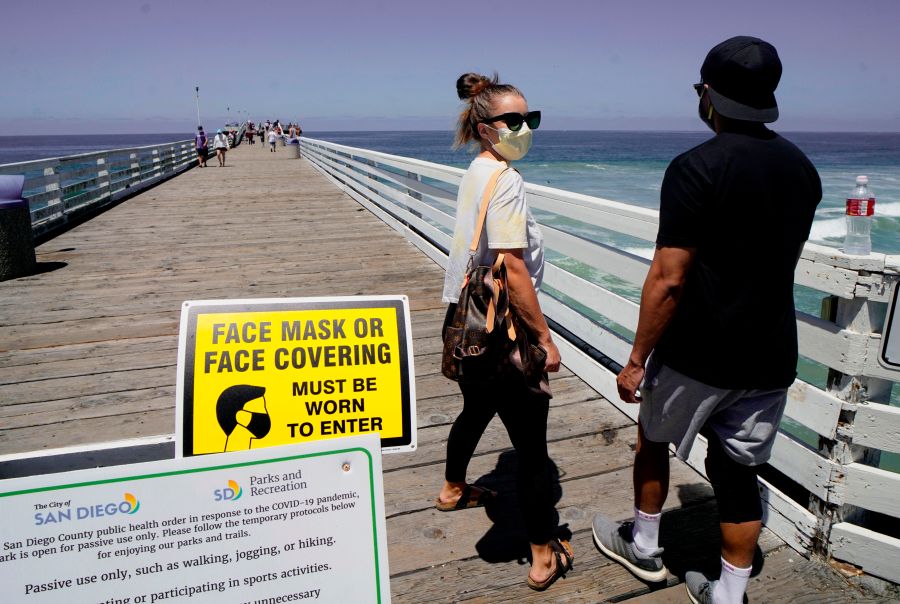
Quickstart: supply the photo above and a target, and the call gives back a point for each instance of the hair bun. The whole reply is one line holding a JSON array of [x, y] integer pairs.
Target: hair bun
[[469, 85]]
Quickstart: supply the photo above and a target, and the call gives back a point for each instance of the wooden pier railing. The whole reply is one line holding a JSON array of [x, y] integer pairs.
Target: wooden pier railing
[[61, 188], [831, 497]]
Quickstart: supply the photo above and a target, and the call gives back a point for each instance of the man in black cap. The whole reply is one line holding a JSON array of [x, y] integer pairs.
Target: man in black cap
[[717, 314]]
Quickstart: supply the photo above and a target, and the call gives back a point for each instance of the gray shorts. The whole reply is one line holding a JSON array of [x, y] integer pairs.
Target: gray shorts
[[675, 408]]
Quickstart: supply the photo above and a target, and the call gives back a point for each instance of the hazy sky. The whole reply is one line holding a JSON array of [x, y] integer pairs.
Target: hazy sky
[[131, 65]]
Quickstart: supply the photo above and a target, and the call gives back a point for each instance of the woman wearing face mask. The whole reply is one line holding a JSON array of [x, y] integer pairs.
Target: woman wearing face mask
[[497, 120]]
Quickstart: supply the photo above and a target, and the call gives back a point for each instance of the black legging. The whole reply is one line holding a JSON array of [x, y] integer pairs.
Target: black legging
[[525, 416], [735, 484]]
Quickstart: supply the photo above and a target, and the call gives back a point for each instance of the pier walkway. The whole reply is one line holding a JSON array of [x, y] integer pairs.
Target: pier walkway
[[88, 354]]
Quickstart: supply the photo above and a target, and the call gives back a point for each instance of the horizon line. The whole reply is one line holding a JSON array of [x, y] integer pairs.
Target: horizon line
[[450, 131]]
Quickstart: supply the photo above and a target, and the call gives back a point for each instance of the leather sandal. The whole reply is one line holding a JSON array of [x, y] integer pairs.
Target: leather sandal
[[559, 547], [471, 497]]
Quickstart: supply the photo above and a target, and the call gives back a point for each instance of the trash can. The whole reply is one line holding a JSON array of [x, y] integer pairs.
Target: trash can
[[293, 148], [16, 240]]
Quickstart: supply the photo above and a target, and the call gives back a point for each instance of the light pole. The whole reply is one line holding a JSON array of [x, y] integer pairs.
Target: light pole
[[197, 90]]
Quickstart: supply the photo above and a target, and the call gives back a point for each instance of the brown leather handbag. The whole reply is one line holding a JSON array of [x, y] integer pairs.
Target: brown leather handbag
[[483, 339]]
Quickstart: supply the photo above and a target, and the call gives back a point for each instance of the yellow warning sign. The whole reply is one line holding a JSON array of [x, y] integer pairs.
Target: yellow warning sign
[[258, 373]]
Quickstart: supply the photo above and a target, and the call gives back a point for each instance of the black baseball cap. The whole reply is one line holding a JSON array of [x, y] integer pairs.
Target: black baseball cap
[[742, 74]]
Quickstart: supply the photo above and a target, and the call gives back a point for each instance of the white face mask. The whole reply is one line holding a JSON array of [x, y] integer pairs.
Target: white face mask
[[512, 145]]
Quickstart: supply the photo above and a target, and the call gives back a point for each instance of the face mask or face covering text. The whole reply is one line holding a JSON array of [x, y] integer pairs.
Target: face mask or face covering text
[[512, 145]]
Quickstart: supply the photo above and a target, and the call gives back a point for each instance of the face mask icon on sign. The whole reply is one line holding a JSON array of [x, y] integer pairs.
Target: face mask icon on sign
[[243, 417]]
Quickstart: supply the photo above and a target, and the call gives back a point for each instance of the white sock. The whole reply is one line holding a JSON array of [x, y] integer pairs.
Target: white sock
[[646, 531], [732, 584]]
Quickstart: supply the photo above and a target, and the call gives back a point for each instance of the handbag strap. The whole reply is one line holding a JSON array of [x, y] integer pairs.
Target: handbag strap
[[476, 238], [482, 212]]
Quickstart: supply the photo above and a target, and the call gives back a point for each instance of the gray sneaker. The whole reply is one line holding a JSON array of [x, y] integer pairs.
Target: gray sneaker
[[700, 589], [615, 540]]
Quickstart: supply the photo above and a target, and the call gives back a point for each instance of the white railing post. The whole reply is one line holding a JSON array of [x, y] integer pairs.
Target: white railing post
[[53, 186], [412, 192], [102, 178], [156, 163], [186, 158], [163, 160], [135, 165], [370, 175], [860, 316]]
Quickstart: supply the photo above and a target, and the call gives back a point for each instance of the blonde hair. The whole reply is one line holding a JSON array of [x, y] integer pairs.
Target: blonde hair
[[478, 92]]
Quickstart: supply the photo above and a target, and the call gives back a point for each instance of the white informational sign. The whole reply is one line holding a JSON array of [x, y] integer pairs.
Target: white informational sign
[[299, 523], [890, 339]]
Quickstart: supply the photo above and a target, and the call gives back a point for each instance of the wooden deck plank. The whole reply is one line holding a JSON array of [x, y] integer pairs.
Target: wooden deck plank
[[423, 539], [789, 577], [88, 353]]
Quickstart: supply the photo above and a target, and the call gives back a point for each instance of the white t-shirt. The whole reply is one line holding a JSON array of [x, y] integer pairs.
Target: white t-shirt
[[509, 225], [220, 142]]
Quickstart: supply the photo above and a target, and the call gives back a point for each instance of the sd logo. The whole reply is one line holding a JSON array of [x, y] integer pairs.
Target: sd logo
[[231, 493]]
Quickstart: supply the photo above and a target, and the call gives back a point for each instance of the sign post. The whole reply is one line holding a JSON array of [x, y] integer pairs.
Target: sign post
[[284, 524], [258, 373]]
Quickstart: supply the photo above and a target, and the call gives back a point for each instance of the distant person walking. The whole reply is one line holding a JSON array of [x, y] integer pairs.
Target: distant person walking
[[200, 142], [220, 144], [272, 139], [716, 343], [497, 119]]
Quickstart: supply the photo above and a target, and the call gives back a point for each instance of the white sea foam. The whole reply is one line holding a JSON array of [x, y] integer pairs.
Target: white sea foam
[[891, 209], [832, 228], [831, 224], [830, 211], [596, 167]]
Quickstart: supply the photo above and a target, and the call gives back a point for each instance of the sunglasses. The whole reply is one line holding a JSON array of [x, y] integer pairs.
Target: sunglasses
[[514, 121], [700, 88]]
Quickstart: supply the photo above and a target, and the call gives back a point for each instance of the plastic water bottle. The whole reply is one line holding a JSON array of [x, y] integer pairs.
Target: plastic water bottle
[[860, 209]]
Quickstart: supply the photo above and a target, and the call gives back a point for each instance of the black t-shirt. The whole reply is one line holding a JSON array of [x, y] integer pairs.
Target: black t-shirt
[[745, 201]]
